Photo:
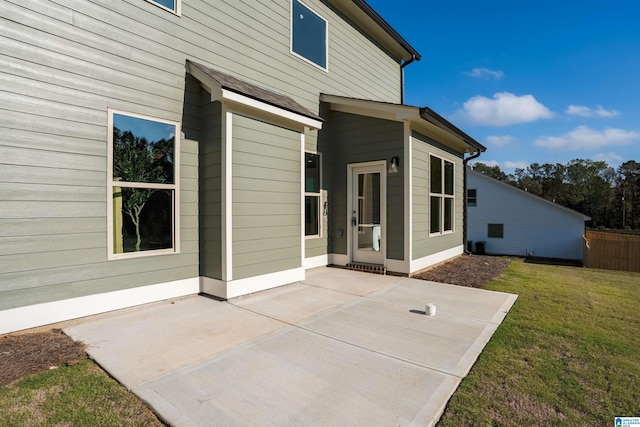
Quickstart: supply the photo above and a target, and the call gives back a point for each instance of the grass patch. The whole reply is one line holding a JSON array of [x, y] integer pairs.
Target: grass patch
[[568, 353], [78, 395]]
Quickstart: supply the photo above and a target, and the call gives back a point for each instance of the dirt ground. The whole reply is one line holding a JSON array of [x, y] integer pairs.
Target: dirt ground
[[467, 270], [27, 353]]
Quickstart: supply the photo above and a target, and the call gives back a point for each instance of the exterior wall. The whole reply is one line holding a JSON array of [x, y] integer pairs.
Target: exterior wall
[[423, 244], [349, 138], [63, 63], [266, 195], [531, 225], [211, 190]]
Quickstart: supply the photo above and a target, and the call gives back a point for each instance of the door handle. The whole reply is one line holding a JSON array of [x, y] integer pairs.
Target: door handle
[[354, 221]]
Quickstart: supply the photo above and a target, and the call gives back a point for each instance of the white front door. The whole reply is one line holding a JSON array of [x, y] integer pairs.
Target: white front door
[[368, 213]]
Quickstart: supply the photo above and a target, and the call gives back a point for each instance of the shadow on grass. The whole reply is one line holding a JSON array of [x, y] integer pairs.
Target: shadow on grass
[[554, 261]]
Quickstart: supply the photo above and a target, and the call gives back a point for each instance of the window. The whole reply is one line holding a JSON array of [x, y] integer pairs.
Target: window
[[312, 195], [308, 34], [170, 5], [472, 197], [495, 231], [143, 163], [442, 198]]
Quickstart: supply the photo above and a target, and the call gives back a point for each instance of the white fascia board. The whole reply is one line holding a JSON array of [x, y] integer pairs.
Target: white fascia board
[[246, 101], [381, 110]]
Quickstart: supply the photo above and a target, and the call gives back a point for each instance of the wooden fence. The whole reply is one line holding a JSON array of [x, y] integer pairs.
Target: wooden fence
[[611, 251]]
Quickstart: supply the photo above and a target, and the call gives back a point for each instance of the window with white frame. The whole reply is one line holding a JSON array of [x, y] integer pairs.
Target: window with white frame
[[442, 197], [143, 169], [308, 34], [312, 196], [170, 5]]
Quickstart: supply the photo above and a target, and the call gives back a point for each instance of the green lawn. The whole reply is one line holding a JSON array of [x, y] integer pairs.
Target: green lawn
[[568, 353], [78, 395]]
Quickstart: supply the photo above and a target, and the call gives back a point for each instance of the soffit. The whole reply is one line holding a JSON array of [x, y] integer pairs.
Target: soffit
[[441, 131]]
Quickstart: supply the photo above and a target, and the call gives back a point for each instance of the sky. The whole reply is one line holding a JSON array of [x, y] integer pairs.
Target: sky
[[534, 82]]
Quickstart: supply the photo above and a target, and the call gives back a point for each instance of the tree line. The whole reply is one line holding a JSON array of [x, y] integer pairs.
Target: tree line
[[610, 196]]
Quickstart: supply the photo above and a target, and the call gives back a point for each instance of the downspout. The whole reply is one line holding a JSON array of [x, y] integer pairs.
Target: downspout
[[464, 207], [404, 64]]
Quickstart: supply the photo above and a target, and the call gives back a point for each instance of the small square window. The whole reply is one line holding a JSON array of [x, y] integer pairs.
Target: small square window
[[495, 231], [308, 34], [472, 197]]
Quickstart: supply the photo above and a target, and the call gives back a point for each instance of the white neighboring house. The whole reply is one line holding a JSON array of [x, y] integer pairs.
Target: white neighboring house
[[514, 222]]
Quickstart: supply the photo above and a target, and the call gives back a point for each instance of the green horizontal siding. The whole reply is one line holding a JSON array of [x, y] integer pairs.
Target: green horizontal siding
[[350, 138], [266, 198], [423, 244]]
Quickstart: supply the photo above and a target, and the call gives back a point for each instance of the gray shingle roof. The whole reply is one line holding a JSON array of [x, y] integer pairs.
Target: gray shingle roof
[[256, 92]]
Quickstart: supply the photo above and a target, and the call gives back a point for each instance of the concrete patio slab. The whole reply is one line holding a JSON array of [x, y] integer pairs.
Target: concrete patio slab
[[297, 378], [293, 303], [138, 345], [341, 348], [348, 281], [489, 306]]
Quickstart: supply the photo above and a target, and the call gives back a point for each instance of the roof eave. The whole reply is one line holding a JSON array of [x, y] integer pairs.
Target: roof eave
[[376, 26]]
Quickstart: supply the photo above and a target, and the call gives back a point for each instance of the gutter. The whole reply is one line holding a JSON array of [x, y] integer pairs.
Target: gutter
[[465, 220], [404, 64]]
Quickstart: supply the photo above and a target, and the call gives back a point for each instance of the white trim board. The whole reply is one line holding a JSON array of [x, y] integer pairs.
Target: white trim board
[[236, 288], [428, 261], [317, 261], [32, 316]]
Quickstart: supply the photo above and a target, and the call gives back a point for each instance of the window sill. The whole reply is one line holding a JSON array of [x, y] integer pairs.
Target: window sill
[[141, 254]]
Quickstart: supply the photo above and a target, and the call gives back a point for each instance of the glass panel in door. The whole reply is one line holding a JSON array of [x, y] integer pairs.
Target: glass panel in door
[[368, 234]]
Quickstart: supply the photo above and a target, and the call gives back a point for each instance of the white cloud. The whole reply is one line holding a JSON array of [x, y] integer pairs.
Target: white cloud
[[611, 158], [485, 73], [504, 109], [582, 111], [500, 141], [515, 165], [585, 138]]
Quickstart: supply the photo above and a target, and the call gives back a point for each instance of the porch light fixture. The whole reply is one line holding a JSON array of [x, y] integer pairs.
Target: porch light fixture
[[393, 165]]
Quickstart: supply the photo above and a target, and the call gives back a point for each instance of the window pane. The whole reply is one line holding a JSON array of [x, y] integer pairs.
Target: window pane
[[169, 4], [495, 231], [312, 215], [448, 178], [472, 197], [142, 219], [436, 175], [312, 167], [448, 214], [143, 150], [435, 214], [309, 35]]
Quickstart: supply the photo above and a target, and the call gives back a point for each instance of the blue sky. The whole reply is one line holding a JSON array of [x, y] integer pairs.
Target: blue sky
[[544, 81]]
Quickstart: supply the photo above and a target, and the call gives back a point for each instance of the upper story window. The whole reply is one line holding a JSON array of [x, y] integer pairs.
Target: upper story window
[[170, 5], [442, 197], [312, 196], [143, 194], [308, 34]]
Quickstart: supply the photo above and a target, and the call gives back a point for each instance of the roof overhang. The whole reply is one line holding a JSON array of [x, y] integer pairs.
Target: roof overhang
[[423, 120], [245, 95], [373, 24]]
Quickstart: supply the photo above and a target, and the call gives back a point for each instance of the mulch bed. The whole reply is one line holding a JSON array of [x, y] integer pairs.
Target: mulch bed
[[467, 270], [29, 353]]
